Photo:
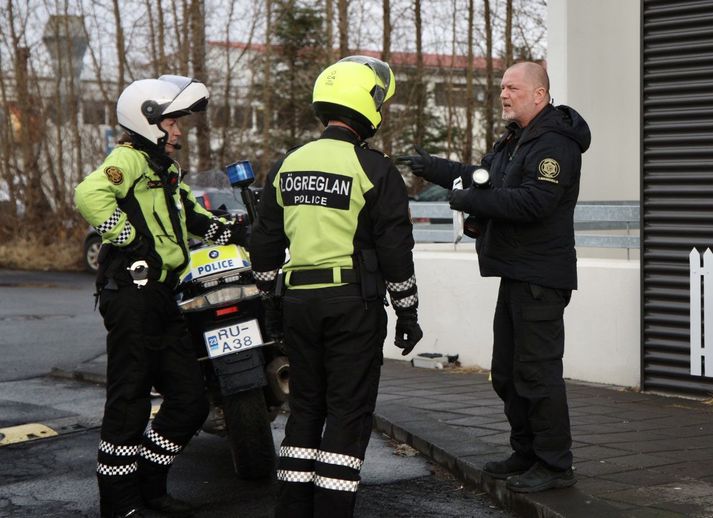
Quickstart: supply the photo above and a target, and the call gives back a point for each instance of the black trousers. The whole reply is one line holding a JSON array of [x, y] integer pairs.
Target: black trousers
[[147, 345], [334, 343], [528, 347]]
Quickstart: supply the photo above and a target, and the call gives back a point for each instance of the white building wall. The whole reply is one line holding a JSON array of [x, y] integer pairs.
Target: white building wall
[[456, 309], [593, 59]]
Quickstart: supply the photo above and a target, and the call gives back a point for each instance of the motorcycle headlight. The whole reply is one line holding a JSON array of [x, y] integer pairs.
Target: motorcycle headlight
[[220, 297]]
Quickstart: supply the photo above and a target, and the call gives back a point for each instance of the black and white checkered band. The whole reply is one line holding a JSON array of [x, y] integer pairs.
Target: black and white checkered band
[[402, 286], [339, 459], [111, 222], [162, 442], [265, 276], [124, 235], [295, 476], [223, 238], [119, 451], [117, 471], [164, 460], [212, 229], [403, 294], [299, 453], [336, 484], [406, 302]]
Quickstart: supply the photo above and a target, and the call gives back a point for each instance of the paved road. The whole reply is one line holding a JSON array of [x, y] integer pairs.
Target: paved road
[[46, 320]]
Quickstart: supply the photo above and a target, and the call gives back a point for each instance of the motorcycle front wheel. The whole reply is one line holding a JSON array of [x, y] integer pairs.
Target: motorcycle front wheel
[[250, 434]]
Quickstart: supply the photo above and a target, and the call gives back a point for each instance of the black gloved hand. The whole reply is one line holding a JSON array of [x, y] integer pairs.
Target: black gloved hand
[[240, 231], [138, 249], [419, 164], [462, 200], [408, 332], [273, 318]]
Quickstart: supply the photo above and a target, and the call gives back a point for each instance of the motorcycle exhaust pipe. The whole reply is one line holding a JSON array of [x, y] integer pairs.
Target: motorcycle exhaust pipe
[[278, 375]]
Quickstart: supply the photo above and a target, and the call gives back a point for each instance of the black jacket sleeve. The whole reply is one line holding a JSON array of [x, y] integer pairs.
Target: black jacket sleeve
[[387, 207], [443, 172], [268, 241]]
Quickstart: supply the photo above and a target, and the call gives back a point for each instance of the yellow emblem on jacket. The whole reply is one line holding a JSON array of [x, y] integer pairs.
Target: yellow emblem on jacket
[[549, 169], [115, 175]]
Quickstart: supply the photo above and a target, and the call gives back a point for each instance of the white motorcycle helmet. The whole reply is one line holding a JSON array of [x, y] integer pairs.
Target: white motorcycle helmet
[[144, 103]]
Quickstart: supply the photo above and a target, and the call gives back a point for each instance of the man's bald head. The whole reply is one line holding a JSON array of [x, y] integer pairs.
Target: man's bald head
[[536, 73], [525, 91]]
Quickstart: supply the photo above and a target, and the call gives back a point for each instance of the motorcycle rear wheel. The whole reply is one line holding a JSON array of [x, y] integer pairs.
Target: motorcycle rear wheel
[[250, 434]]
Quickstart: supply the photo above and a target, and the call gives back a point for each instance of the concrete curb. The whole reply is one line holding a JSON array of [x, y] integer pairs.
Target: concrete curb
[[535, 505]]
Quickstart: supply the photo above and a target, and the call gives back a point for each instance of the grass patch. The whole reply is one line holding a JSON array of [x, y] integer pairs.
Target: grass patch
[[59, 253]]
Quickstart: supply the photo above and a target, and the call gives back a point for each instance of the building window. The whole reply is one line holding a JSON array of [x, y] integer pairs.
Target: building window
[[407, 92]]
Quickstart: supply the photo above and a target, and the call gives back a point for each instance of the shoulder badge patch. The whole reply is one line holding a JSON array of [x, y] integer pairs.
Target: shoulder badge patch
[[115, 175], [549, 169]]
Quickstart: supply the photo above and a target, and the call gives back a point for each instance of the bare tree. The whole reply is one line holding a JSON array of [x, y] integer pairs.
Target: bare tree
[[508, 34], [343, 10], [36, 203], [386, 56], [418, 80], [120, 48], [329, 23], [489, 102], [197, 17], [54, 127], [266, 96], [469, 91]]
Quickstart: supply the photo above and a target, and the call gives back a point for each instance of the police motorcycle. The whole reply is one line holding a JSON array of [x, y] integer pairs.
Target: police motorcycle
[[246, 372]]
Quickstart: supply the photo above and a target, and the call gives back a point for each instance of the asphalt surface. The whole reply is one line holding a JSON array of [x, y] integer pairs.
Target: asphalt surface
[[636, 455]]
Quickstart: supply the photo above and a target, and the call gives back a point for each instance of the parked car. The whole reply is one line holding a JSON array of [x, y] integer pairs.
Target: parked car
[[212, 198], [431, 193]]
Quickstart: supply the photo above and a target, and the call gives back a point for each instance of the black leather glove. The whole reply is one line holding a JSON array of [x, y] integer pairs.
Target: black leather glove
[[273, 318], [462, 200], [240, 231], [408, 332], [419, 164]]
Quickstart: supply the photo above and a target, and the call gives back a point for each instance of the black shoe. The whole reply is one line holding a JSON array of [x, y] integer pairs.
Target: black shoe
[[539, 477], [515, 464], [170, 506]]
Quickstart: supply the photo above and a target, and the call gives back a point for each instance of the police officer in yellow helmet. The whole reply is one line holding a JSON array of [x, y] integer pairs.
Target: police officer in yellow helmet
[[342, 211]]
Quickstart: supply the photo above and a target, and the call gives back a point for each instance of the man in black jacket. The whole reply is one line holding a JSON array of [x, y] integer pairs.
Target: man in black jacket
[[525, 219]]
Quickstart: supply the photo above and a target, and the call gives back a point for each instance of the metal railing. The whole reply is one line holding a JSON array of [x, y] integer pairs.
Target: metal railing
[[607, 224]]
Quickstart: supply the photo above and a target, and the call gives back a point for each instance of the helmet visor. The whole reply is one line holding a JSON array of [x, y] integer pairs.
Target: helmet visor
[[381, 69], [192, 96]]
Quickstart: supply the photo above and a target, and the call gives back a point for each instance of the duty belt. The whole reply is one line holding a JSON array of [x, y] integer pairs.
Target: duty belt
[[323, 276]]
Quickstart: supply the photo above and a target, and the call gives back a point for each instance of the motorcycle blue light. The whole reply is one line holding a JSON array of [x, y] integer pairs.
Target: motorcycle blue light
[[240, 174]]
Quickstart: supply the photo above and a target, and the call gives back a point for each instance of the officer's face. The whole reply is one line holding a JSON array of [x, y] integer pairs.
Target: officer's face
[[519, 96], [170, 126]]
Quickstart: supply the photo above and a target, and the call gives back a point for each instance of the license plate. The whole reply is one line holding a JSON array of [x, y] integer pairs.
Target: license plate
[[232, 339]]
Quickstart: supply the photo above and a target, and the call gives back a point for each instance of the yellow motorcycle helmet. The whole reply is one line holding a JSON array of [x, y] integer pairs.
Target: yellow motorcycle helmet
[[353, 90]]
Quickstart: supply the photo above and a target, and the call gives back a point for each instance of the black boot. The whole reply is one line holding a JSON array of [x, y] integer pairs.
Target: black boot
[[539, 477], [131, 513], [170, 506], [515, 464]]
